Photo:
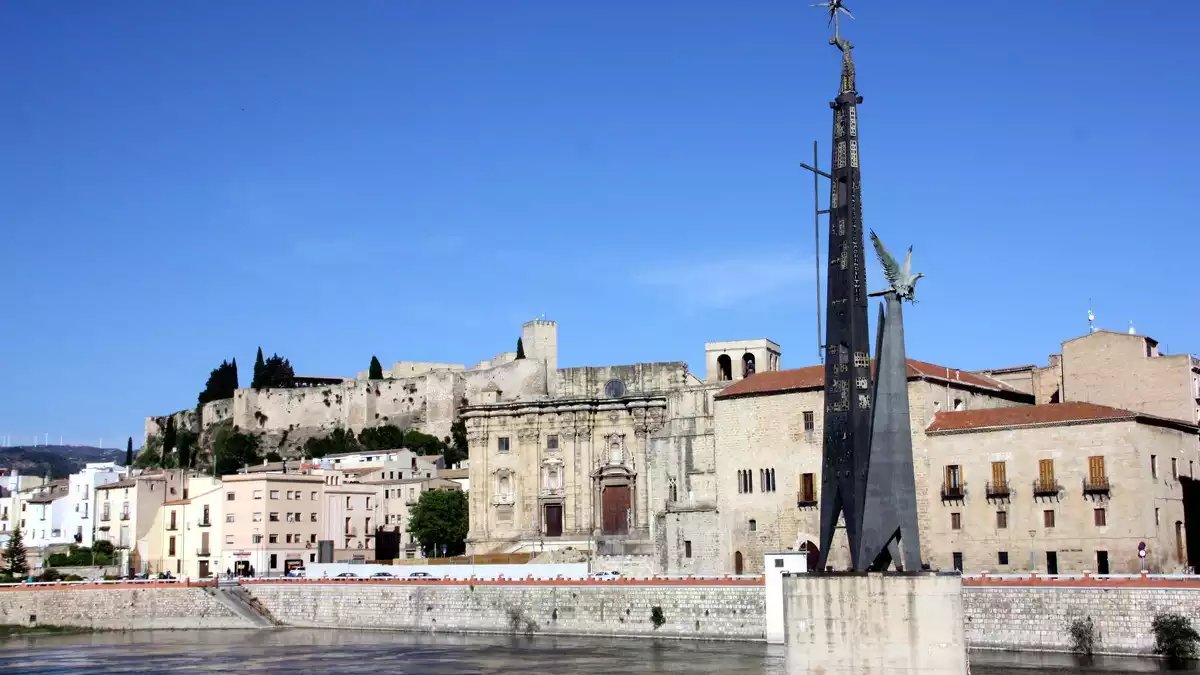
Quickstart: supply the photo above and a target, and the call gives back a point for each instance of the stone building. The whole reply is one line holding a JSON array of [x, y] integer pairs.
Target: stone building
[[1121, 370], [583, 463], [1057, 487], [768, 431]]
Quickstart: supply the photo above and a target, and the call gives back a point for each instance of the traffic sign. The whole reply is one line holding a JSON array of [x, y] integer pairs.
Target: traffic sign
[[1141, 546], [1142, 553]]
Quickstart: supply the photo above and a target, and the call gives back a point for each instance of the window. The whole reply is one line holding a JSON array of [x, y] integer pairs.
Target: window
[[958, 561], [312, 538], [312, 557], [314, 495], [1051, 562], [1154, 466], [256, 539], [274, 517], [1156, 516], [808, 488], [312, 517], [257, 517], [1046, 482], [501, 444], [1003, 558], [687, 549], [810, 423], [959, 405], [753, 525], [229, 496], [229, 539], [766, 478], [273, 539], [229, 517], [1048, 518], [956, 521], [552, 442], [1100, 517], [349, 504], [368, 503], [1102, 562], [1002, 520], [274, 561], [274, 494], [999, 474], [953, 476], [779, 562], [171, 546], [258, 494], [1174, 469]]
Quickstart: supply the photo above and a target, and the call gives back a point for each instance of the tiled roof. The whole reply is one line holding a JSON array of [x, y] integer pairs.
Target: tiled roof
[[813, 377], [1047, 414], [127, 483]]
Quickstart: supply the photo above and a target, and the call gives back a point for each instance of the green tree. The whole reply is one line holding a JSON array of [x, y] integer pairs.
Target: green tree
[[222, 382], [186, 448], [376, 370], [233, 450], [273, 456], [456, 449], [386, 437], [275, 373], [260, 368], [422, 443], [129, 452], [15, 563], [169, 440], [341, 440], [520, 349], [151, 453], [440, 519]]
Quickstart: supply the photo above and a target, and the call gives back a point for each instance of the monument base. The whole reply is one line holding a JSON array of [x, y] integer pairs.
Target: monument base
[[851, 624]]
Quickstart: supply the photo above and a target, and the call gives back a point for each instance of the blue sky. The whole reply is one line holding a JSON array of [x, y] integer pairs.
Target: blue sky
[[182, 182]]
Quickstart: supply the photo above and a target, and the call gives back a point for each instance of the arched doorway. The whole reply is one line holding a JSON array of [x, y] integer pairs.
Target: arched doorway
[[812, 555], [724, 368], [738, 565], [747, 364]]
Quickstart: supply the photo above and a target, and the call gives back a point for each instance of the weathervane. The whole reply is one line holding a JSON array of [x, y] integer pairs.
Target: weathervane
[[832, 7]]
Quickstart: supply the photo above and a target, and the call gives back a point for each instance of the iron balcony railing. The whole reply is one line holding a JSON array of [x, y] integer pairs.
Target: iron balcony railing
[[1046, 487], [202, 553], [998, 490], [124, 516], [1096, 485], [205, 522], [804, 498], [954, 492]]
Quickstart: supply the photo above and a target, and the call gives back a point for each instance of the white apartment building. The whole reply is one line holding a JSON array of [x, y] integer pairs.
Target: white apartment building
[[79, 526]]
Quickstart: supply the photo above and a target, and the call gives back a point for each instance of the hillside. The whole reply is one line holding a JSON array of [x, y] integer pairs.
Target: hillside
[[58, 460]]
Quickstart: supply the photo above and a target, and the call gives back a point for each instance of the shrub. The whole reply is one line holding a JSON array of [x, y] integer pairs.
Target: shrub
[[50, 575], [1174, 637], [1083, 635], [656, 617], [72, 577]]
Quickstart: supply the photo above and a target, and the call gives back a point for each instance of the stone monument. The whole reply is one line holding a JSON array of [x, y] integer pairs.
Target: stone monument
[[867, 619]]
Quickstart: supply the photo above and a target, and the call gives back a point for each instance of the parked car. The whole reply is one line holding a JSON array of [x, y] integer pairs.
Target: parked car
[[346, 575], [383, 575], [420, 575], [606, 575], [298, 572]]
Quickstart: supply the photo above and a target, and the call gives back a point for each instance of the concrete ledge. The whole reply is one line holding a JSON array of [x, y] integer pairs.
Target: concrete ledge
[[600, 583]]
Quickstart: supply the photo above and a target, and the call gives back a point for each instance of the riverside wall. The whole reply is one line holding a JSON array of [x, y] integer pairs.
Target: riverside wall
[[722, 608], [116, 606], [1033, 613]]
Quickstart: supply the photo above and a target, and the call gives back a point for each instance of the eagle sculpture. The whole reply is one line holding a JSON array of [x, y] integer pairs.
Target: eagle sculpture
[[903, 281]]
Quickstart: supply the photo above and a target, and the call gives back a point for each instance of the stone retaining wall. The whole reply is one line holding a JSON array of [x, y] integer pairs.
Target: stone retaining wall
[[1033, 613], [699, 609], [115, 606]]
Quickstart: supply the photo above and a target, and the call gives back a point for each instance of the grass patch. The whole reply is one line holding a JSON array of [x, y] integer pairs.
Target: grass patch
[[15, 630]]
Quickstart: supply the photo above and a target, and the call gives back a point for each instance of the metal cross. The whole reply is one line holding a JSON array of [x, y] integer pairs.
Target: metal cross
[[832, 7]]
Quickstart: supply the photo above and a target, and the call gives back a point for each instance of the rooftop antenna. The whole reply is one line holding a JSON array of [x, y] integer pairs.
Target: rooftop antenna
[[1091, 319]]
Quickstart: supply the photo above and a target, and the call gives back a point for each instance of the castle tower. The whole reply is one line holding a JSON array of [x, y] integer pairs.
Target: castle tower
[[848, 402], [540, 339], [736, 359]]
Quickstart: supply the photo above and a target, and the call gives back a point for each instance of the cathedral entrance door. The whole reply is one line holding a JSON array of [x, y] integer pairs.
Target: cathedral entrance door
[[554, 517], [616, 509]]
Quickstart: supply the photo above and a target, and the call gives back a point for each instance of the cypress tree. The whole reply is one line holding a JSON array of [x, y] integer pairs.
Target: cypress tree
[[260, 371], [14, 556], [129, 452], [376, 370], [520, 349]]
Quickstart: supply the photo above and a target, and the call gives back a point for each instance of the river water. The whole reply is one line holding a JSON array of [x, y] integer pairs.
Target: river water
[[368, 652]]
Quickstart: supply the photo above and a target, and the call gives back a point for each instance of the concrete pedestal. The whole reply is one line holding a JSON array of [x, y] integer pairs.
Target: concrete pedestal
[[852, 624]]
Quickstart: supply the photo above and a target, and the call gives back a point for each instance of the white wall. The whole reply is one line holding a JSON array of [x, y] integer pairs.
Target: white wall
[[774, 567]]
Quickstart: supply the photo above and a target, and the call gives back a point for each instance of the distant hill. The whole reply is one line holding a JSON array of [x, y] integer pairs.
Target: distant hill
[[58, 460]]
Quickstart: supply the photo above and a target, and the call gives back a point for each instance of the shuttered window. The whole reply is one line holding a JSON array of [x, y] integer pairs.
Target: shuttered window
[[1096, 469], [999, 474]]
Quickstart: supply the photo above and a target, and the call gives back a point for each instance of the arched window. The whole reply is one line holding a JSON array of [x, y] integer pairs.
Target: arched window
[[747, 364], [724, 368], [738, 567], [614, 389]]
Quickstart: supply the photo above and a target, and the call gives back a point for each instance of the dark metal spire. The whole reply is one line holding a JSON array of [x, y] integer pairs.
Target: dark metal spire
[[848, 390]]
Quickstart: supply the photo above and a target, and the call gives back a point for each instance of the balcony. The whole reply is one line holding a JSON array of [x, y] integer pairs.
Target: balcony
[[172, 528], [1096, 485], [351, 531], [1046, 487], [105, 518], [124, 516], [806, 500], [998, 490], [205, 523], [954, 493], [203, 553]]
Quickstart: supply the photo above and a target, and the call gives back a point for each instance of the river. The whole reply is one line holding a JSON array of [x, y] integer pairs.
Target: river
[[367, 652]]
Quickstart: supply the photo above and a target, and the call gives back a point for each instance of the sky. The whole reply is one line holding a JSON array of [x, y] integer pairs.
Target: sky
[[183, 182]]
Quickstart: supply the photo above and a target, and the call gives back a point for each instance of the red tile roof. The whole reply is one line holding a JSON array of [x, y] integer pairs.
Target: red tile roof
[[1047, 414], [813, 377]]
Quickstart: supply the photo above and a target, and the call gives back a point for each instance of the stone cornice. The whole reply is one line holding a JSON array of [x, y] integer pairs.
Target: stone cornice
[[552, 406]]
